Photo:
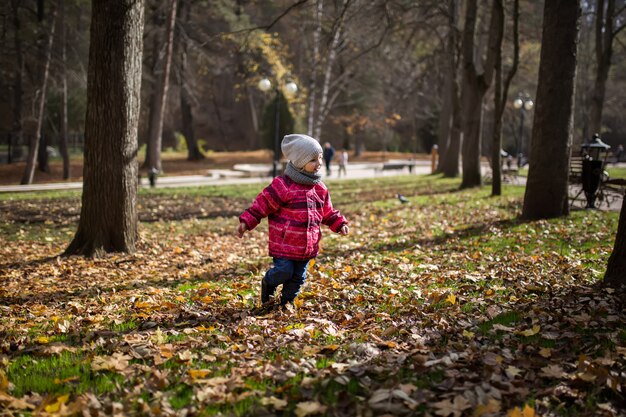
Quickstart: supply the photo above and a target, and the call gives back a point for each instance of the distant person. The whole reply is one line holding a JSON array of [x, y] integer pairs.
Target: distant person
[[434, 158], [329, 153], [509, 162], [618, 153], [296, 203], [343, 163]]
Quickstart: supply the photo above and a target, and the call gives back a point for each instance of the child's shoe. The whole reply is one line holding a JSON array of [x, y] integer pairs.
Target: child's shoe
[[265, 292], [264, 308]]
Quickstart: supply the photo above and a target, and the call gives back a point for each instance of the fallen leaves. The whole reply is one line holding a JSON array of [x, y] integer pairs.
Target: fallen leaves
[[422, 297], [117, 362]]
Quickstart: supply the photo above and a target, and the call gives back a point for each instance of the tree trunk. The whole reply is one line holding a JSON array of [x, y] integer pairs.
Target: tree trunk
[[496, 144], [604, 51], [445, 115], [501, 93], [475, 86], [616, 268], [317, 34], [193, 152], [472, 120], [108, 218], [63, 130], [17, 83], [546, 190], [156, 130], [33, 146]]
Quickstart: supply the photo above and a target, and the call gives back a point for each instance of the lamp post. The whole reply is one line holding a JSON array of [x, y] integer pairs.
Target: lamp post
[[291, 89], [523, 103]]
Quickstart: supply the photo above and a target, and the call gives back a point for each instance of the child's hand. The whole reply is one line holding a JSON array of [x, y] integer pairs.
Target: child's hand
[[344, 230], [242, 229]]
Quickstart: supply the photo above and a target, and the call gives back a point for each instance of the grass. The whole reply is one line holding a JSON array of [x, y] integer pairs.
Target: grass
[[65, 373], [386, 288]]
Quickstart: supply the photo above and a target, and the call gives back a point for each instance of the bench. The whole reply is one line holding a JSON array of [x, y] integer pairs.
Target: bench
[[395, 166], [575, 169]]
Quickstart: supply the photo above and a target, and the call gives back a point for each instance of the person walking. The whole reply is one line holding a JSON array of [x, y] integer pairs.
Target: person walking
[[296, 204], [329, 153], [343, 163]]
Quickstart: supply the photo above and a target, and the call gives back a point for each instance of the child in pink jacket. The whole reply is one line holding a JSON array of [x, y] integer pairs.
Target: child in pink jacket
[[296, 204]]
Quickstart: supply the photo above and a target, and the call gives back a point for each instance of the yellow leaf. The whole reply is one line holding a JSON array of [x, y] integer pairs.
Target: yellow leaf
[[468, 334], [198, 373], [531, 332], [4, 381], [528, 411], [201, 328], [492, 407], [514, 412], [56, 406], [545, 352], [43, 340], [66, 380], [451, 299]]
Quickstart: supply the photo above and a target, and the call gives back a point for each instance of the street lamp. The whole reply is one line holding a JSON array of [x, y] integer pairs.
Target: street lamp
[[523, 103], [291, 89]]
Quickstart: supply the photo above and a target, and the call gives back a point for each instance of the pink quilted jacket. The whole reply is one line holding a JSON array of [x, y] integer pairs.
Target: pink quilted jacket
[[295, 213]]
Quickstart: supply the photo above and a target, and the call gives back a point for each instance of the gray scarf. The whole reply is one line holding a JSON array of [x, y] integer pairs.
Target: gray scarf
[[302, 177]]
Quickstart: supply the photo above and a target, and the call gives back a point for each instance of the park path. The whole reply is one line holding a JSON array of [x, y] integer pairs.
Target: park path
[[220, 177], [226, 177]]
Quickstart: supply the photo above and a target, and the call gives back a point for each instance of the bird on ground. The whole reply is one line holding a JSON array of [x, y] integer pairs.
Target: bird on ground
[[402, 198]]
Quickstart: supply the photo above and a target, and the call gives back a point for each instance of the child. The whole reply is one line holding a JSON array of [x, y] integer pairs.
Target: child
[[296, 204]]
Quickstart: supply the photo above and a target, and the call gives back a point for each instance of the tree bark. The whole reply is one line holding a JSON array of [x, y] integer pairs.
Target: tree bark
[[475, 86], [546, 190], [616, 268], [445, 115], [501, 93], [108, 219], [193, 152], [63, 130], [604, 35], [325, 102], [156, 130], [33, 146], [317, 34], [17, 83]]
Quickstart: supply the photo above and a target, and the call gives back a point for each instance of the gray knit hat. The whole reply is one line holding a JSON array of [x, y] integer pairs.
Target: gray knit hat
[[300, 149]]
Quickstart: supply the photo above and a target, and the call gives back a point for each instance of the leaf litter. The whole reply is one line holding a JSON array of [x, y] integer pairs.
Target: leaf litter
[[419, 311]]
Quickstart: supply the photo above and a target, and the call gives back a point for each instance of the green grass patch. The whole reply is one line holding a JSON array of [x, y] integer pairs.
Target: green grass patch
[[68, 372]]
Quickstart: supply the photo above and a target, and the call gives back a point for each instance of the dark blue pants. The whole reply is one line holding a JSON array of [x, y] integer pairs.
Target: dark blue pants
[[290, 274]]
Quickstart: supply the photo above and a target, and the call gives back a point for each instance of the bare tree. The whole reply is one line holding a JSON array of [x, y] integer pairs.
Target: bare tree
[[193, 151], [16, 102], [546, 190], [605, 32], [500, 95], [33, 146], [153, 156], [475, 85], [63, 130], [450, 116], [108, 218]]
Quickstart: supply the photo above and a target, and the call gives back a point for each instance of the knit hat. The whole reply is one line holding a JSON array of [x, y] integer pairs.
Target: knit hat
[[300, 149]]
